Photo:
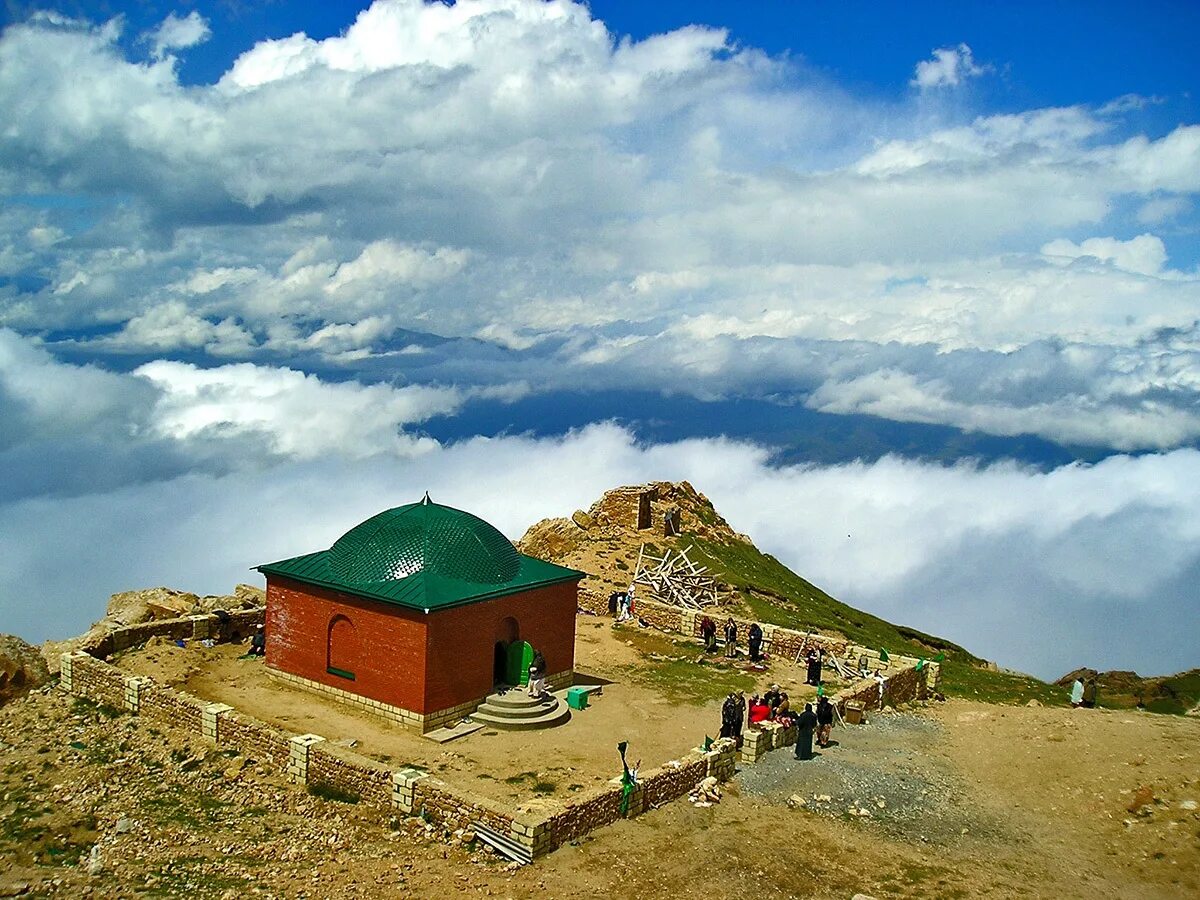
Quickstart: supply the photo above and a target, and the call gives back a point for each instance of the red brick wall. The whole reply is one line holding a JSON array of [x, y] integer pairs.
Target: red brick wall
[[462, 641], [419, 662], [391, 641]]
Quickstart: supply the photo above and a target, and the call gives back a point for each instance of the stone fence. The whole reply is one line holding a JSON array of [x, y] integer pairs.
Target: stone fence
[[308, 759], [782, 642]]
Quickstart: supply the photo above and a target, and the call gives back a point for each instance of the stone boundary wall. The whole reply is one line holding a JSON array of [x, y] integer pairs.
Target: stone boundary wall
[[309, 760], [674, 779], [352, 773], [777, 640]]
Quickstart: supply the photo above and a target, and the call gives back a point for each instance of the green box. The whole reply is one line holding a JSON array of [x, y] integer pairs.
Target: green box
[[577, 698]]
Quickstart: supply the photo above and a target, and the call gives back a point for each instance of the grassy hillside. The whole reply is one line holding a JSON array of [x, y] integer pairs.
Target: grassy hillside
[[776, 594]]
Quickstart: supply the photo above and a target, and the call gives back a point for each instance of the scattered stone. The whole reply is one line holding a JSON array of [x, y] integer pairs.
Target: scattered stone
[[1033, 703], [796, 800], [124, 825], [1187, 804], [95, 864], [1142, 797]]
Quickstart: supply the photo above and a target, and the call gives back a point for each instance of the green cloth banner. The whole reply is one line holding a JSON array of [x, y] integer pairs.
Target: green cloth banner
[[626, 778]]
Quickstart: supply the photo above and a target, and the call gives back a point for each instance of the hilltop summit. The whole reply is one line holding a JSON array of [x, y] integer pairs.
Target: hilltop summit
[[605, 541]]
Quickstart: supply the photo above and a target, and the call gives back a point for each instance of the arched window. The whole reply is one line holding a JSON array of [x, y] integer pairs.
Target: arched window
[[342, 657]]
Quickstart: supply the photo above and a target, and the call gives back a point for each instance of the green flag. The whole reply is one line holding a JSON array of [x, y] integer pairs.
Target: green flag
[[626, 778], [883, 657], [920, 664], [820, 690], [707, 743], [940, 657]]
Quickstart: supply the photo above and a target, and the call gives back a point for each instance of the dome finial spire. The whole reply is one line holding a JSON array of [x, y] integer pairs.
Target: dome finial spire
[[425, 501]]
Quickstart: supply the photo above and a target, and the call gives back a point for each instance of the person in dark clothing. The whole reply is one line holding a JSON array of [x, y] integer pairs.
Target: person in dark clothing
[[806, 723], [754, 642], [771, 697], [708, 631], [1089, 694], [258, 642], [824, 721], [739, 700], [731, 638], [729, 716], [814, 667]]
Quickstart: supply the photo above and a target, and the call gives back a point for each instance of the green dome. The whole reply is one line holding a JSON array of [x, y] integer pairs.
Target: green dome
[[424, 537]]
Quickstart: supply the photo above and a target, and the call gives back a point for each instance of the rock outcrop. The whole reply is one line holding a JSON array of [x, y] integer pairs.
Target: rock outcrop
[[604, 540], [151, 604], [21, 668]]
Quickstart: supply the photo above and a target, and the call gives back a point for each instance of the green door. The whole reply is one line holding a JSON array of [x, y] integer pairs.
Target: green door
[[520, 655]]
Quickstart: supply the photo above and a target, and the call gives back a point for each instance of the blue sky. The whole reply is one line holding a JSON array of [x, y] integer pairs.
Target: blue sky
[[924, 275]]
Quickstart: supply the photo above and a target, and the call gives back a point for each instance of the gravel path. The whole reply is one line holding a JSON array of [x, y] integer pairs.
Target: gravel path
[[887, 774]]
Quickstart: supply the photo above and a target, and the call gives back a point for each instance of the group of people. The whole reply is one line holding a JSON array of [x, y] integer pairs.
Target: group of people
[[754, 638], [1083, 693], [620, 605], [774, 706]]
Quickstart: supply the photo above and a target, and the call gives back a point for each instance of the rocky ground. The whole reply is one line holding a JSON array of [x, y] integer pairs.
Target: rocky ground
[[889, 774], [978, 800]]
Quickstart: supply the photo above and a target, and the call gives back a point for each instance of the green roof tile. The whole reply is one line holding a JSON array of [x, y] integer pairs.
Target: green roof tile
[[423, 556]]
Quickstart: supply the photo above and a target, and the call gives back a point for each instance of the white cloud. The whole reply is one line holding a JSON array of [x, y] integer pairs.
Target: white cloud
[[392, 263], [1026, 567], [1162, 209], [1143, 255], [175, 33], [647, 196], [297, 415], [949, 67], [1113, 422], [172, 325], [42, 398]]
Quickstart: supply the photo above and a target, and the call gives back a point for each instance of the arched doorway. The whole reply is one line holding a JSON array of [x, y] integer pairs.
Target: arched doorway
[[342, 658], [508, 632]]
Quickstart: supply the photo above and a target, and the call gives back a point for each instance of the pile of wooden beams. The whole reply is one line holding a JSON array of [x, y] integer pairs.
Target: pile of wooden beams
[[675, 579]]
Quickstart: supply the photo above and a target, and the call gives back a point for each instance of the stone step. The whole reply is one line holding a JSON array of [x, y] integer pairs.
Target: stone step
[[559, 714], [517, 698], [529, 711]]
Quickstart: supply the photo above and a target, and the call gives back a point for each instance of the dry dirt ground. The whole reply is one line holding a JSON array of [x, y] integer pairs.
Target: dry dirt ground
[[978, 801]]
